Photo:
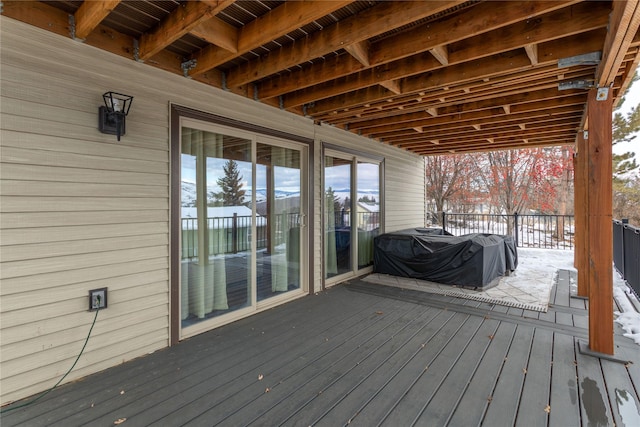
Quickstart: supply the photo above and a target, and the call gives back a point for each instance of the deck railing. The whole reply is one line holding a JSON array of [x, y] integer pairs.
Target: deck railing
[[232, 234], [626, 253], [530, 231]]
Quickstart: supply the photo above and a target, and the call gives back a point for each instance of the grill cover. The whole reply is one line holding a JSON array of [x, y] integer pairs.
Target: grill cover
[[472, 260]]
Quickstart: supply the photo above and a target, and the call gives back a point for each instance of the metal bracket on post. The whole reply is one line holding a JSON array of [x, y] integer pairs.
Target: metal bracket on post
[[136, 50], [602, 94], [188, 66], [72, 26], [224, 81], [281, 104], [585, 134]]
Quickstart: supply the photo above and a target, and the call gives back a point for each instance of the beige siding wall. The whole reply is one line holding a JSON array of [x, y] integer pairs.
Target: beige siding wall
[[80, 210]]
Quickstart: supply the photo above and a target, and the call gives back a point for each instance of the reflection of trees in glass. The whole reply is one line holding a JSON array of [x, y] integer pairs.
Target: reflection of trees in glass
[[331, 198], [231, 184], [367, 199]]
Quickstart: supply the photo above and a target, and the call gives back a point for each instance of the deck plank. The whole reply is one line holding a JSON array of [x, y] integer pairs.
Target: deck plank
[[533, 408], [356, 355], [446, 397], [505, 398], [565, 410], [594, 404], [471, 407], [427, 380], [393, 390], [352, 403], [355, 379]]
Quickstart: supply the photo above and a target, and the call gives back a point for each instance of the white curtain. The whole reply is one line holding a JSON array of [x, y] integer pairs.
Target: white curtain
[[279, 272], [204, 286], [330, 254]]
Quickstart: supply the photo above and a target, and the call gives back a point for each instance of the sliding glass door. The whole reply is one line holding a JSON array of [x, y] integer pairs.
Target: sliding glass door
[[242, 222], [351, 211]]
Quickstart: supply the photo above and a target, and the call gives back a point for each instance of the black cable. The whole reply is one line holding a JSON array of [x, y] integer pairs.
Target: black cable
[[3, 410]]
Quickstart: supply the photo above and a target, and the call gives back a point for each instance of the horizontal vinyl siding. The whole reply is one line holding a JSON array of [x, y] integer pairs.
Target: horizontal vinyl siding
[[80, 210]]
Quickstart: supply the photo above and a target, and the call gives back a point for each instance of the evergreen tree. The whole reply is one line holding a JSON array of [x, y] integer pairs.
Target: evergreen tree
[[232, 193], [626, 191]]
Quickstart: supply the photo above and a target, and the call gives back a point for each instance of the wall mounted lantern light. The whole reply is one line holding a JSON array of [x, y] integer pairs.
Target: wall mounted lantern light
[[111, 116]]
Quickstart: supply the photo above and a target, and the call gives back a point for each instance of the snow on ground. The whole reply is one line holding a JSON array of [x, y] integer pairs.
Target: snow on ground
[[628, 318]]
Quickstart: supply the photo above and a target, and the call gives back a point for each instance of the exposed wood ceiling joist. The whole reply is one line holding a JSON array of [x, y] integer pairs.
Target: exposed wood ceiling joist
[[430, 77]]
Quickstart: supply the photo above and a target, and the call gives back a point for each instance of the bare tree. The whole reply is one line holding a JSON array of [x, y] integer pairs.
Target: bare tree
[[446, 178]]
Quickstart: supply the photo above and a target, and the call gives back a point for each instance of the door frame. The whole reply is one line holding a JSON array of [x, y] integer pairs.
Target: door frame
[[354, 156], [176, 113]]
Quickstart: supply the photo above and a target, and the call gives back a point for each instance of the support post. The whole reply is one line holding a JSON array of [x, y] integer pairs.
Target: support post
[[599, 219], [580, 212]]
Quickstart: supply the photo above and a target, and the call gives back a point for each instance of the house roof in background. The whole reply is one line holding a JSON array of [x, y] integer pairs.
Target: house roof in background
[[432, 77]]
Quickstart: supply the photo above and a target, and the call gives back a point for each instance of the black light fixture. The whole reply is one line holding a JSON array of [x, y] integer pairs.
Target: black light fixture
[[111, 116]]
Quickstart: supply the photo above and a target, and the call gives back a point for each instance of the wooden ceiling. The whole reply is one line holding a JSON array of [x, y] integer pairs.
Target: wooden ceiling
[[432, 77]]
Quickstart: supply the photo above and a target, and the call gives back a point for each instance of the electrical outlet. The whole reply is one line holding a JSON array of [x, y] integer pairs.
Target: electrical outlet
[[97, 299]]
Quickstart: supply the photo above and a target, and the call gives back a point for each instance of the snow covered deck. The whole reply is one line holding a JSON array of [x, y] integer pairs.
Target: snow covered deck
[[367, 354]]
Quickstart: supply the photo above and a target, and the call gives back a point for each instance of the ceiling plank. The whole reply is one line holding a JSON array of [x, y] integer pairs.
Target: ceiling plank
[[278, 22], [90, 14], [376, 20], [479, 19], [181, 21], [360, 51], [219, 33], [625, 20]]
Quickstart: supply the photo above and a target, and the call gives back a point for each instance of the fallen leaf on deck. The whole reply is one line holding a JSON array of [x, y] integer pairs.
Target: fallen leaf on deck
[[379, 312], [267, 390], [119, 421], [490, 337], [547, 409], [121, 391], [524, 370], [260, 377]]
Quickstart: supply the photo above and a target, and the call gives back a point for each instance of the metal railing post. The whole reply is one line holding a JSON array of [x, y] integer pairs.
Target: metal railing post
[[444, 221], [515, 220]]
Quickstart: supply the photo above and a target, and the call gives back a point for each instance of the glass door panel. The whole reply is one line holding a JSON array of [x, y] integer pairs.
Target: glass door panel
[[279, 220], [367, 210], [337, 216], [216, 221]]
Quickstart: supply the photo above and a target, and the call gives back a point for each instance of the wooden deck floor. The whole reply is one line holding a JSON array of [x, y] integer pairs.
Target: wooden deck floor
[[367, 355]]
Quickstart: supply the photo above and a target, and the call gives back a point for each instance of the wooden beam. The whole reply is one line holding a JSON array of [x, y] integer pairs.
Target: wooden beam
[[441, 54], [278, 22], [360, 51], [187, 16], [600, 220], [90, 14], [43, 16], [376, 20], [477, 113], [532, 53], [482, 18], [219, 33], [392, 85], [418, 75], [623, 26], [580, 212]]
